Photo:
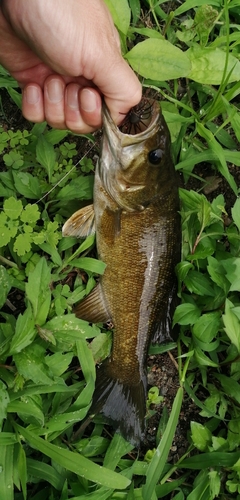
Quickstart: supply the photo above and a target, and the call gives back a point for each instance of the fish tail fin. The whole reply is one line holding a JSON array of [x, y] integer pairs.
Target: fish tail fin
[[122, 403]]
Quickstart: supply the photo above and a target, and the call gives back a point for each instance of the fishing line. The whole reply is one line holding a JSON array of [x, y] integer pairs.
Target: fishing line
[[65, 175]]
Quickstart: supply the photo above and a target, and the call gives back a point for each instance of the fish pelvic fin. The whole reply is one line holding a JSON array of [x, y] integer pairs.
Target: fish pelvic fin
[[123, 404], [81, 224], [93, 307]]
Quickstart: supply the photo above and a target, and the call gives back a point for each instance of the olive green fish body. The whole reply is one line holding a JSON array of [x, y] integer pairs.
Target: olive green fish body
[[137, 227]]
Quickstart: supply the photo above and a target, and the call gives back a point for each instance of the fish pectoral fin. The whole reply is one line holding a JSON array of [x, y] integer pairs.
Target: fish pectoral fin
[[93, 307], [81, 224]]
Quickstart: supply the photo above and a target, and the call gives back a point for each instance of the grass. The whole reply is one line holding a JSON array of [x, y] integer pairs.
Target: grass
[[190, 57]]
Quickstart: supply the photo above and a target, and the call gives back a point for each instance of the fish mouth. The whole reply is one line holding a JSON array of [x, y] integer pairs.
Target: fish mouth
[[148, 125], [120, 151]]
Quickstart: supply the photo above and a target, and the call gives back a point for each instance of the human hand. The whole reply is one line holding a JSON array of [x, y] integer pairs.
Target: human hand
[[66, 57]]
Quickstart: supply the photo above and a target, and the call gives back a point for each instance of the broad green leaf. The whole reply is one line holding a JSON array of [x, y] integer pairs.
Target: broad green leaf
[[199, 283], [20, 469], [117, 448], [30, 364], [158, 60], [60, 423], [4, 400], [236, 213], [38, 291], [74, 462], [6, 285], [46, 155], [8, 229], [217, 273], [6, 476], [230, 386], [80, 188], [100, 494], [45, 472], [149, 32], [232, 324], [68, 326], [182, 269], [22, 244], [12, 207], [25, 331], [16, 96], [207, 326], [59, 362], [207, 65], [232, 269], [202, 359], [27, 185], [101, 347], [205, 248], [207, 460], [159, 459], [7, 438], [30, 214], [186, 314], [218, 150], [89, 264], [190, 4], [46, 247], [201, 436], [121, 14], [28, 410], [93, 446], [54, 136], [86, 361]]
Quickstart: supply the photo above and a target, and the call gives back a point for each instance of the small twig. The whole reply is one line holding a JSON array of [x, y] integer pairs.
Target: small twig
[[173, 360], [10, 305]]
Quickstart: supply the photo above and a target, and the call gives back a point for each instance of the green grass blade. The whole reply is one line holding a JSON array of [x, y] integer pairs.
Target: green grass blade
[[76, 463], [6, 476], [212, 459], [218, 150], [159, 459]]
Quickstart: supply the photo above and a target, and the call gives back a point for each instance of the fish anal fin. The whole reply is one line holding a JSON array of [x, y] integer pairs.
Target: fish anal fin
[[93, 307], [81, 224], [122, 403]]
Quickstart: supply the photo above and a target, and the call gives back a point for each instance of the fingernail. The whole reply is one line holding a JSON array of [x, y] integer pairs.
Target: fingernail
[[32, 94], [72, 97], [88, 101], [55, 90]]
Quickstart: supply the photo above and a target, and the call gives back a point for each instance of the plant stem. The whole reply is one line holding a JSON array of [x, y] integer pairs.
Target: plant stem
[[8, 262]]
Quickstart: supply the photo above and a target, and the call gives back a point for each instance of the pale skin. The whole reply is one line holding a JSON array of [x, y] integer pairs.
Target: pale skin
[[66, 57]]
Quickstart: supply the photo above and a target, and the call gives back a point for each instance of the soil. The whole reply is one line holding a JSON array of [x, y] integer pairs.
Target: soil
[[163, 371]]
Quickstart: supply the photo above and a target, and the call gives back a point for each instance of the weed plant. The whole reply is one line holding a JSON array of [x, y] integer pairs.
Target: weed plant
[[189, 54]]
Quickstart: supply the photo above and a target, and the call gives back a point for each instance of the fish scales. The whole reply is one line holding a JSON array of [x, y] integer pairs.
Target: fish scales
[[137, 227]]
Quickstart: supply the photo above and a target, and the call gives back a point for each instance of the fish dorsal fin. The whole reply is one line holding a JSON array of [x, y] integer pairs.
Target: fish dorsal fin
[[81, 224], [93, 308]]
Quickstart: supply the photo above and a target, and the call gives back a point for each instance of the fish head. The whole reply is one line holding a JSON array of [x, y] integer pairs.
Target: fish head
[[134, 167]]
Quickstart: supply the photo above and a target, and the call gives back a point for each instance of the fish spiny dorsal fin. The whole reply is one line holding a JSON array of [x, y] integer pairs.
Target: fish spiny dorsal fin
[[93, 308], [81, 224]]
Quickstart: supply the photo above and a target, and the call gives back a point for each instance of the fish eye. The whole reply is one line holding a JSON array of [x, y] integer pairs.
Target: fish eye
[[155, 156]]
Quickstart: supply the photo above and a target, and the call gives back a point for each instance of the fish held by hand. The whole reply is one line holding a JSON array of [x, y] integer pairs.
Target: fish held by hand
[[135, 215]]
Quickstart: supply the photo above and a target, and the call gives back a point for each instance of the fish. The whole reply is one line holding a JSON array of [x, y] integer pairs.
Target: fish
[[135, 215]]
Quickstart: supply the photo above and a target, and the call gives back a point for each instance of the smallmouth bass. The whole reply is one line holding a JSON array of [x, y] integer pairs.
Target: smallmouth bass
[[135, 215]]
